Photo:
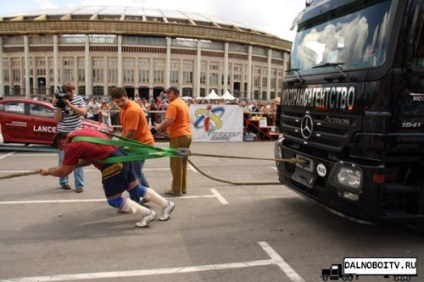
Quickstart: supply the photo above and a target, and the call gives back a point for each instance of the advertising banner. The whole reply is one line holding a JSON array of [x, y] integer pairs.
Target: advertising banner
[[216, 123]]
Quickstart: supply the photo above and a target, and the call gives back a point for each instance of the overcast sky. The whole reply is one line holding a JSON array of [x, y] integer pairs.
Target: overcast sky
[[271, 16]]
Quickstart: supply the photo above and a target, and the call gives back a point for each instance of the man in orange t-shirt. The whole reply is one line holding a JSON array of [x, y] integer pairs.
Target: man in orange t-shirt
[[134, 126], [177, 123]]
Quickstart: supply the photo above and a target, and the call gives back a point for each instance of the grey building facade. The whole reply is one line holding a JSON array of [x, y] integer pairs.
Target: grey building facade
[[143, 50]]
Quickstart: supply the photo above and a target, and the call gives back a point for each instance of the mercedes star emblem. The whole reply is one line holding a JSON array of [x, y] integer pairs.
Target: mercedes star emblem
[[307, 127]]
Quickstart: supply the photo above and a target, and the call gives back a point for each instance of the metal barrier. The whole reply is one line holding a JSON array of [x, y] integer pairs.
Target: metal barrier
[[255, 127]]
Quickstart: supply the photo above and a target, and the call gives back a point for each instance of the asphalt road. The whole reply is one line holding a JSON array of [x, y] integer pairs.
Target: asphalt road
[[217, 232]]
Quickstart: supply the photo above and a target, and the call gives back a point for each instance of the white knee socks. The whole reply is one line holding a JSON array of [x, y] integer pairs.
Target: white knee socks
[[130, 206], [152, 196]]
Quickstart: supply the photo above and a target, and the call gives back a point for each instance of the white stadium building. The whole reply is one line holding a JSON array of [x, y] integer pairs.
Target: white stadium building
[[143, 50]]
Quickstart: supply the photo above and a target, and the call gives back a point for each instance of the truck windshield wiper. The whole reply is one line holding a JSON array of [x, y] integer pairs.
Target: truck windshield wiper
[[337, 66], [297, 73]]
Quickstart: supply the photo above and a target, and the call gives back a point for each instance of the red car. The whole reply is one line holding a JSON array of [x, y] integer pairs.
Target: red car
[[32, 122]]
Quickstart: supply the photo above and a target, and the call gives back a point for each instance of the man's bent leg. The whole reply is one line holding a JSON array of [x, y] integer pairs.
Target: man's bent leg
[[151, 195], [63, 180], [138, 169], [128, 206], [167, 206], [79, 177], [143, 180], [137, 192]]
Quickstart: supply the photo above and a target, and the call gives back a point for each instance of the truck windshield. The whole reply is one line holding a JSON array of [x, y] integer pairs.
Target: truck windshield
[[354, 36]]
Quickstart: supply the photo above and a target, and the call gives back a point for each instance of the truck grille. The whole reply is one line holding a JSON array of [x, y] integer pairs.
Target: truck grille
[[331, 131]]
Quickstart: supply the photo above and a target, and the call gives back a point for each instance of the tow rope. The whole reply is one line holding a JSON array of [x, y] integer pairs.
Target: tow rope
[[140, 151], [22, 173], [143, 151]]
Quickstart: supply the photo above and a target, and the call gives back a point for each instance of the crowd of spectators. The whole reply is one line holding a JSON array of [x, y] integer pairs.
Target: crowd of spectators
[[107, 112], [155, 109]]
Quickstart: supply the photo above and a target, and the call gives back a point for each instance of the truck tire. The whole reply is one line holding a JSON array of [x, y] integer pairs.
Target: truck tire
[[324, 277]]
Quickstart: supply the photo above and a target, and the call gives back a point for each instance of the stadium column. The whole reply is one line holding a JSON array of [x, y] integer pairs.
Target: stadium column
[[55, 60], [249, 75], [26, 56], [198, 68], [226, 46], [2, 84], [88, 70], [268, 79], [168, 62], [120, 60]]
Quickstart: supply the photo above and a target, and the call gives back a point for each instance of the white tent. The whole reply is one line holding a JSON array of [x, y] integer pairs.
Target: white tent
[[227, 96], [212, 96]]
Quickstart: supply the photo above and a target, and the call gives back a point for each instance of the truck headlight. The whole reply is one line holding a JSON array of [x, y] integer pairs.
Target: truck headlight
[[348, 179], [277, 150]]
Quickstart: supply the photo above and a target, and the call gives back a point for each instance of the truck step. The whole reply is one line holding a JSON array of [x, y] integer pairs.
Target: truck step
[[393, 188], [402, 215]]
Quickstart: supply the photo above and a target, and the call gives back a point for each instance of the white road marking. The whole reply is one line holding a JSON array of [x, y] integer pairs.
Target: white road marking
[[7, 155], [219, 197], [186, 197], [51, 201], [93, 200], [275, 260], [32, 155], [281, 263], [190, 167], [215, 194], [156, 169]]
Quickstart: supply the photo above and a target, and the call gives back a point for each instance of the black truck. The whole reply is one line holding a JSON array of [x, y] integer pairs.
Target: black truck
[[352, 109], [334, 273]]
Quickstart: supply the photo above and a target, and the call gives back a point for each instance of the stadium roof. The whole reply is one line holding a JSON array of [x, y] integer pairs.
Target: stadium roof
[[135, 20]]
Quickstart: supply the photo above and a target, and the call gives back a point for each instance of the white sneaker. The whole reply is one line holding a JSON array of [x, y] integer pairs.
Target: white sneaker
[[146, 220], [167, 211]]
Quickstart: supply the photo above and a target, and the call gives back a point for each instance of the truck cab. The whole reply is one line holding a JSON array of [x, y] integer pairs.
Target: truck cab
[[352, 108], [333, 273]]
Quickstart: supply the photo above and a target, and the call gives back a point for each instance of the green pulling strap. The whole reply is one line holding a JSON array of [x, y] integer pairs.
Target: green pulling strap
[[136, 150]]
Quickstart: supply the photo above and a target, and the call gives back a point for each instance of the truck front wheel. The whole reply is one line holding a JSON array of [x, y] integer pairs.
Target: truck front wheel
[[324, 277]]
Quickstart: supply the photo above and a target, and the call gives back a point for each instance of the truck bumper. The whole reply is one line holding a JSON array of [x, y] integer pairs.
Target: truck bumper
[[346, 188]]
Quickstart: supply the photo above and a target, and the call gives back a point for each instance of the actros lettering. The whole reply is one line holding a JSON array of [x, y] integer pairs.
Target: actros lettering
[[342, 98]]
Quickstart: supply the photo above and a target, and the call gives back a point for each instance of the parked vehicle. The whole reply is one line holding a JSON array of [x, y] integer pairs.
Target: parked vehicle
[[32, 122]]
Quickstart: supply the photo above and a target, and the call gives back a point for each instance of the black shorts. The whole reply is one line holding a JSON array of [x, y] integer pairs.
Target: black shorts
[[116, 177]]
